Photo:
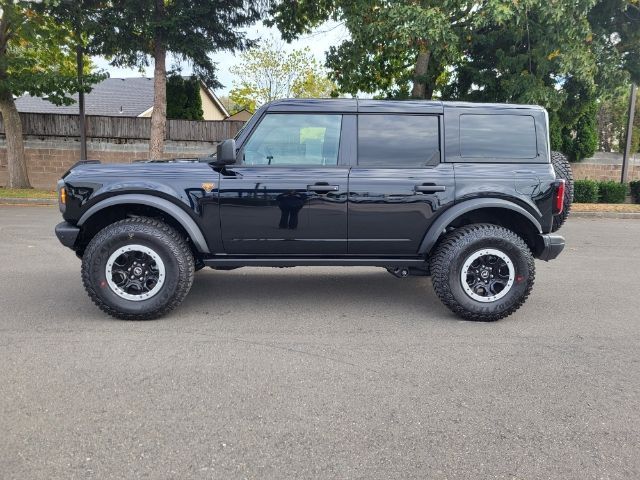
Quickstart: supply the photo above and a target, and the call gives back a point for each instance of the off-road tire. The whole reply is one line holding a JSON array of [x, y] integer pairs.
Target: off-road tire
[[448, 261], [562, 167], [160, 237]]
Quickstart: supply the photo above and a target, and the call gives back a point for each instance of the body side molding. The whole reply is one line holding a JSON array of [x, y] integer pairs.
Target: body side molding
[[166, 206], [459, 209]]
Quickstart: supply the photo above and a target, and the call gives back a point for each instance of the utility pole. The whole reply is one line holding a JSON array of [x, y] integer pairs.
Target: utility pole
[[627, 150], [80, 71]]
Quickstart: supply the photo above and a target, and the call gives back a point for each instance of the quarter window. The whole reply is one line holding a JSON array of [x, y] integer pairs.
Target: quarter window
[[398, 140], [497, 136], [294, 139]]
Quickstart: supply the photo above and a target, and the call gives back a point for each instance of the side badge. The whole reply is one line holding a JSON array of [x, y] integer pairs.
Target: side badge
[[207, 187]]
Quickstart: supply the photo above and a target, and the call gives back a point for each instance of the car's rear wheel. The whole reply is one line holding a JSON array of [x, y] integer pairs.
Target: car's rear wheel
[[137, 269], [482, 272], [562, 167]]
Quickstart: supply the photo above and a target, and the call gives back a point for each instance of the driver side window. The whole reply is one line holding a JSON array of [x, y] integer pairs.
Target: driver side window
[[294, 139]]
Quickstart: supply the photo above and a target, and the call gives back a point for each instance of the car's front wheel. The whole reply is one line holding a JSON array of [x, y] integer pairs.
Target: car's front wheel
[[137, 269], [482, 272]]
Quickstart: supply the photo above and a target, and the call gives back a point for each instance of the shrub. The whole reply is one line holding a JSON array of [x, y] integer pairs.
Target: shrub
[[634, 187], [585, 191], [611, 192]]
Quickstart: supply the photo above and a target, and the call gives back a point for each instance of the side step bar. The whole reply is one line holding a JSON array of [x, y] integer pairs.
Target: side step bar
[[311, 262]]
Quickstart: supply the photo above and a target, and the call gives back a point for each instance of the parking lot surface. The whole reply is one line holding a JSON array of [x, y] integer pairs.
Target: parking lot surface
[[320, 372]]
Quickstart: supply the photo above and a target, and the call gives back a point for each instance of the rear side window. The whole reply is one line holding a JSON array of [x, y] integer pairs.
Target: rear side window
[[398, 140], [497, 136]]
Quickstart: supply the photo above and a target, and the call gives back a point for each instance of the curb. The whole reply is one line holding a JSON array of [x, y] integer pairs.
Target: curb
[[626, 215], [27, 201]]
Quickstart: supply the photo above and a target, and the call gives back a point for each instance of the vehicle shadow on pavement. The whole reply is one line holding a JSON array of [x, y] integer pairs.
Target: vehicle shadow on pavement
[[314, 289]]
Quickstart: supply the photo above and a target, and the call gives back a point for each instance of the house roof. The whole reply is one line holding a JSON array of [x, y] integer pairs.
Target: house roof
[[113, 97], [243, 114]]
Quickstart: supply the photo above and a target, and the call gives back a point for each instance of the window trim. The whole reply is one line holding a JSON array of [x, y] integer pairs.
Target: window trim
[[440, 124], [240, 154], [510, 157]]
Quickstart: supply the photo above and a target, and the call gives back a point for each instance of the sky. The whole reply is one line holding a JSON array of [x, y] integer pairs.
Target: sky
[[326, 35]]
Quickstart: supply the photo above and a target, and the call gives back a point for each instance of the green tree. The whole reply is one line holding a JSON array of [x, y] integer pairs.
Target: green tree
[[135, 32], [613, 110], [562, 55], [525, 56], [616, 40], [37, 56], [183, 98], [395, 48], [267, 73]]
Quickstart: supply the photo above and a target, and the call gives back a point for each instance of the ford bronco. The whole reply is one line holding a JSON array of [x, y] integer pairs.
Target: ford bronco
[[465, 193]]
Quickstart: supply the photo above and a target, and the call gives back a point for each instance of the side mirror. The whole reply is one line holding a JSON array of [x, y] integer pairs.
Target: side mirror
[[226, 154]]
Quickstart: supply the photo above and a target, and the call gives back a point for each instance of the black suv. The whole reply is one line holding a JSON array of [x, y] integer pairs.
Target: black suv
[[466, 193]]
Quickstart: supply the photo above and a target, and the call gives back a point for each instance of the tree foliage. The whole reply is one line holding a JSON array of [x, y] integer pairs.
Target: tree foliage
[[612, 120], [183, 98], [616, 38], [37, 53], [268, 73], [37, 56], [493, 49], [191, 30], [395, 48], [525, 54]]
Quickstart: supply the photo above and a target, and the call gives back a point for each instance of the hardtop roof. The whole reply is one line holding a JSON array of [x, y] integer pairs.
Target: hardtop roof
[[355, 105]]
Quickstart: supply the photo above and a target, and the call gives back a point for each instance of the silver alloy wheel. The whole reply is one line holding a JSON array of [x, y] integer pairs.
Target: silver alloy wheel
[[135, 272], [487, 275]]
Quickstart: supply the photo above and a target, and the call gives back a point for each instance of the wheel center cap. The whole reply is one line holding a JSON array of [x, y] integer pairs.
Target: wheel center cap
[[137, 271], [484, 274]]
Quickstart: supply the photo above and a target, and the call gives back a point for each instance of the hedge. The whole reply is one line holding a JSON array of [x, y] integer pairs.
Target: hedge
[[635, 190], [611, 192], [585, 191]]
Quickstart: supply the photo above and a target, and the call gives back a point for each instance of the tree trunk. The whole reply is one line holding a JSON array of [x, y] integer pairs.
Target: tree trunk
[[420, 89], [16, 161], [159, 114]]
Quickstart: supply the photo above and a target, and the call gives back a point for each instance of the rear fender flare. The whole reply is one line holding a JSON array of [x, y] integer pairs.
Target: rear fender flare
[[175, 212], [450, 215]]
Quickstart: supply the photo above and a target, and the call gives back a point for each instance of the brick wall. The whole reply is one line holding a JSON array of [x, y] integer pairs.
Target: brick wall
[[596, 171], [48, 158]]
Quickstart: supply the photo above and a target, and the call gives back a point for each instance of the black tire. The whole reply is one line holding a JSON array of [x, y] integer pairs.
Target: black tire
[[562, 167], [460, 245], [164, 241]]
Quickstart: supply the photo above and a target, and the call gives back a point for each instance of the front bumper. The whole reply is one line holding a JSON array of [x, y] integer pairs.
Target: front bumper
[[549, 246], [67, 234]]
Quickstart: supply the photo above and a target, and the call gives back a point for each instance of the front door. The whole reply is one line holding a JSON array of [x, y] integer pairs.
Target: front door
[[287, 195], [399, 184]]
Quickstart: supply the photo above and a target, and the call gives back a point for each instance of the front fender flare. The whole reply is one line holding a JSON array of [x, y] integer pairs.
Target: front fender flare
[[175, 212], [444, 220]]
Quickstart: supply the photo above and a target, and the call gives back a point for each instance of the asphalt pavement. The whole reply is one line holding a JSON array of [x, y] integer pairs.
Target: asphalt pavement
[[323, 373]]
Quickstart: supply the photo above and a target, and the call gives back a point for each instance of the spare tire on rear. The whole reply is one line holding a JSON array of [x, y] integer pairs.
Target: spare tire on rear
[[563, 171]]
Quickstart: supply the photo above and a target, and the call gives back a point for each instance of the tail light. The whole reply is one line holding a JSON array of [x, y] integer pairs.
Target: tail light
[[558, 198]]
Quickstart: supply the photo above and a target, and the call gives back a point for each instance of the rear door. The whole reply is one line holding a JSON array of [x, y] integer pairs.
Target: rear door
[[399, 184], [288, 194]]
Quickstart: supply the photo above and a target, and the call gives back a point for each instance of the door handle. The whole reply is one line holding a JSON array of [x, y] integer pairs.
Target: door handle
[[322, 188], [425, 188]]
